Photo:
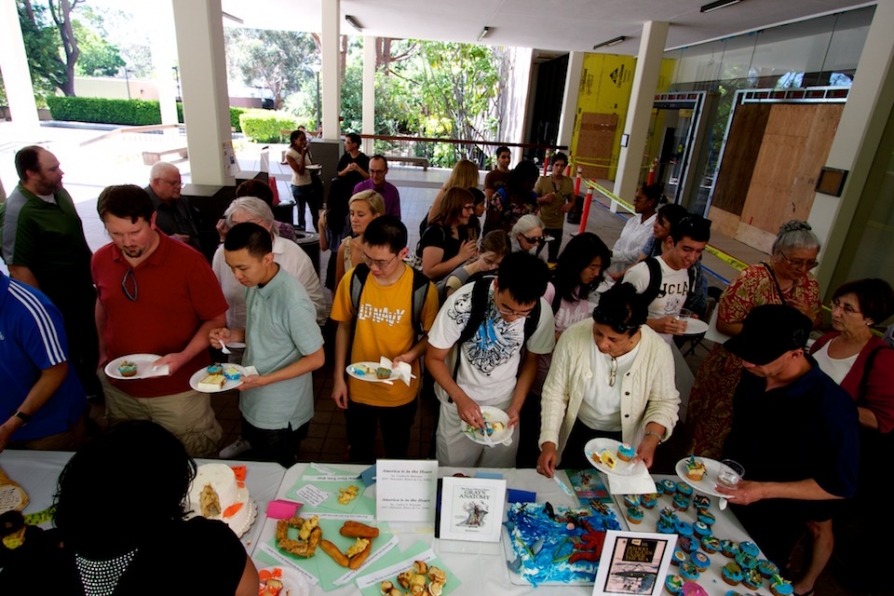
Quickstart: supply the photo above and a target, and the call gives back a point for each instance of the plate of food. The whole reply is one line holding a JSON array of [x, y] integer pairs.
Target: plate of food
[[694, 327], [372, 372], [700, 473], [613, 457], [217, 378], [282, 581], [496, 428], [135, 366]]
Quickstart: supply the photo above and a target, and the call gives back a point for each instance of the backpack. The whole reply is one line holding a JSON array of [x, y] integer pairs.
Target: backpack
[[482, 283], [420, 291], [653, 290]]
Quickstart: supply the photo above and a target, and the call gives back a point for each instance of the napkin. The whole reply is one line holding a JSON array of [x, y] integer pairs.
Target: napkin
[[161, 370], [639, 484], [250, 371], [401, 370]]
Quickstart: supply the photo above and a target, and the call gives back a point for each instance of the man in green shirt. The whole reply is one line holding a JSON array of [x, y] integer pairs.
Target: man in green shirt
[[43, 245]]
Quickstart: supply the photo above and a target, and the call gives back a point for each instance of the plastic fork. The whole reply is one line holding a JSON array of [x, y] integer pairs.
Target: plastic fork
[[223, 347]]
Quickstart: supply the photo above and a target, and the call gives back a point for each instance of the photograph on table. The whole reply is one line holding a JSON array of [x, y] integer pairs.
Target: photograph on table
[[633, 563]]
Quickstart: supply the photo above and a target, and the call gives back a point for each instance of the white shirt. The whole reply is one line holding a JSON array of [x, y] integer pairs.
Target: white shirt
[[601, 406], [837, 368], [674, 285], [631, 241], [293, 261]]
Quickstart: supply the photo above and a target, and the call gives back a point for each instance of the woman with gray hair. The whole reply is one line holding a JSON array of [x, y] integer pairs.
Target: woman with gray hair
[[527, 234], [784, 279]]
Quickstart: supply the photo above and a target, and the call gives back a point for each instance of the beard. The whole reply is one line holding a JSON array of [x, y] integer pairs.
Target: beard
[[134, 252]]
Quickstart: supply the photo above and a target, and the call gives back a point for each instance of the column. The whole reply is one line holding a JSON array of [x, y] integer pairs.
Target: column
[[642, 95], [203, 80], [863, 120], [329, 36], [569, 99], [14, 64], [163, 51], [369, 92]]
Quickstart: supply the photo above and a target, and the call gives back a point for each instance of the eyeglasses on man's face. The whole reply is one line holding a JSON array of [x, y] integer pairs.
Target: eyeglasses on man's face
[[379, 264]]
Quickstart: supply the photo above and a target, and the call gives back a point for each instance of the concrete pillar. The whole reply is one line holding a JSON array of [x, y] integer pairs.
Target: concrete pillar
[[329, 38], [869, 105], [14, 65], [642, 95], [569, 99], [203, 79], [369, 92], [163, 48]]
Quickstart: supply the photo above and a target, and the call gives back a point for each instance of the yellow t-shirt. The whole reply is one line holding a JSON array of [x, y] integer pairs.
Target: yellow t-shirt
[[384, 328]]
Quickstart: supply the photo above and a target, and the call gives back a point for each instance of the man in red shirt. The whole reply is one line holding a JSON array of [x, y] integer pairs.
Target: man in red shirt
[[156, 296]]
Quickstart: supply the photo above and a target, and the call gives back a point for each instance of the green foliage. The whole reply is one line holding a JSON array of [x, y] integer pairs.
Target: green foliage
[[134, 112], [264, 126], [43, 49], [98, 57]]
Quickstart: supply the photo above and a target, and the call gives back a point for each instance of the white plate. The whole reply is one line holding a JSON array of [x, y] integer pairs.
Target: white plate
[[695, 327], [371, 377], [622, 468], [708, 482], [202, 373], [293, 583], [144, 367], [491, 414]]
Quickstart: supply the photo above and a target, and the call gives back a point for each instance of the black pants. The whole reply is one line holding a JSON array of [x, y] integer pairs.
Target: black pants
[[573, 457], [363, 422], [553, 245], [279, 445]]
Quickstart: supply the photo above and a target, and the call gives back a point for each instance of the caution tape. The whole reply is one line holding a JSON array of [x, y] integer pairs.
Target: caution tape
[[724, 257]]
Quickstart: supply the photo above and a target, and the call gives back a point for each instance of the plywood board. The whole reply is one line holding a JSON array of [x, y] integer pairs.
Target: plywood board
[[595, 143], [742, 148], [723, 222]]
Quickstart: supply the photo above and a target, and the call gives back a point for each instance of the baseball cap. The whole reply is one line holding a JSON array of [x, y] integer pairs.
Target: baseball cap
[[768, 332]]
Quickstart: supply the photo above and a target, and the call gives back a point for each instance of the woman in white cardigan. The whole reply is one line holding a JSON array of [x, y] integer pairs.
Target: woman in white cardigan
[[611, 377]]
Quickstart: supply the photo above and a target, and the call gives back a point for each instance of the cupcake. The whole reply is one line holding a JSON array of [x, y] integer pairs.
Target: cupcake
[[710, 544], [668, 514], [732, 574], [668, 487], [689, 571], [767, 568], [700, 560], [749, 548], [780, 586], [733, 593], [753, 579], [701, 529], [383, 373], [649, 500], [683, 528], [679, 556], [729, 548], [232, 373], [745, 560], [673, 584], [681, 502], [695, 468], [127, 369], [706, 517], [632, 500], [701, 502], [215, 369], [634, 515], [626, 452], [665, 527], [687, 544], [684, 489]]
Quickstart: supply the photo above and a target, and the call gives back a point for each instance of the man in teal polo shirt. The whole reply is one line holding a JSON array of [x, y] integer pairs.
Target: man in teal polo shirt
[[43, 245], [283, 342]]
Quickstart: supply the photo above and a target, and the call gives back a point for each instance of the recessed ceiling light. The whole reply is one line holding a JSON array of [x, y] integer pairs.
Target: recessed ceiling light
[[611, 42], [718, 4]]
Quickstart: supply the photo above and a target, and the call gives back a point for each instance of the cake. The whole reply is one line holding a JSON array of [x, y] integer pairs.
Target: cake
[[701, 529], [649, 500], [706, 517], [687, 544], [749, 548], [701, 502], [383, 373], [689, 571], [679, 556], [127, 369], [212, 382], [710, 544], [668, 487], [632, 500], [684, 489], [561, 545], [695, 468], [626, 452], [215, 369], [634, 515], [216, 494], [729, 548], [745, 560], [607, 458], [681, 502], [232, 373]]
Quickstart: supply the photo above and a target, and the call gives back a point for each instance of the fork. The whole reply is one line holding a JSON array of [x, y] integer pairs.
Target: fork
[[223, 347]]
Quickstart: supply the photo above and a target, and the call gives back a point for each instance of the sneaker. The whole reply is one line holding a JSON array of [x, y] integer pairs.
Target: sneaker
[[237, 447]]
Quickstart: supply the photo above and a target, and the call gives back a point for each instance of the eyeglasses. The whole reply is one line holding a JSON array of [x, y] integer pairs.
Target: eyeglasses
[[800, 263], [618, 325], [380, 264], [847, 308], [508, 312], [377, 172], [534, 240], [173, 182], [131, 295], [613, 374]]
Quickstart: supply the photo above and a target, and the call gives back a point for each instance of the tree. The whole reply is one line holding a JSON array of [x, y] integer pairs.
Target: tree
[[41, 48], [61, 12], [274, 60], [99, 58]]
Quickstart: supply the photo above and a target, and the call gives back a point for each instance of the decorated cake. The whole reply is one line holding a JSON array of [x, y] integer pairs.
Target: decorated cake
[[215, 493], [212, 382], [127, 368], [695, 468], [232, 373], [557, 546]]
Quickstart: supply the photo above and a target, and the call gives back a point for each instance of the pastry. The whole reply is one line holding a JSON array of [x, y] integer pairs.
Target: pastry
[[608, 459], [767, 568], [626, 452], [689, 571], [12, 495], [668, 487], [706, 517], [732, 574], [701, 502], [701, 529], [232, 373], [729, 548], [684, 528], [649, 500], [127, 369], [681, 502], [753, 579], [695, 468], [212, 383], [634, 515], [684, 489], [749, 548], [745, 560], [688, 544], [679, 556], [215, 369], [383, 373], [632, 500], [710, 544]]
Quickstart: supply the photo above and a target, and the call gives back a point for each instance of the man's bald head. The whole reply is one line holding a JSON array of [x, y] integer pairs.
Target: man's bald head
[[165, 181]]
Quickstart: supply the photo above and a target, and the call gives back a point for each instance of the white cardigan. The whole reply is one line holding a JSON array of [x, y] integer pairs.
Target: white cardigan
[[648, 390]]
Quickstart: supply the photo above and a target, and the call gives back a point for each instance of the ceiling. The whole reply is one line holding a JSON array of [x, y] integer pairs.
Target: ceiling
[[545, 25]]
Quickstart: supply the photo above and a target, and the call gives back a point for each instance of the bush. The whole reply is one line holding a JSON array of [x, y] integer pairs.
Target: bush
[[134, 112], [264, 126]]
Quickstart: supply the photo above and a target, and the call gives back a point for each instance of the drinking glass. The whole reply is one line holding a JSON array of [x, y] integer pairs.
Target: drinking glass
[[731, 472]]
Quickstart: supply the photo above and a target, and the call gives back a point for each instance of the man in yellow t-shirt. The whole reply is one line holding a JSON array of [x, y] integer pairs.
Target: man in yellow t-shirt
[[382, 323]]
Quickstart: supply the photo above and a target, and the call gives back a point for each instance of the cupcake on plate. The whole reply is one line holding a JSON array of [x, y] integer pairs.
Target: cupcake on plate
[[732, 574], [695, 468], [127, 369], [634, 515], [626, 452], [215, 369]]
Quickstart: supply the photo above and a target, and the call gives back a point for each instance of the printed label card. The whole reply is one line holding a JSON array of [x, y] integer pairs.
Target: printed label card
[[472, 509], [406, 490], [634, 563]]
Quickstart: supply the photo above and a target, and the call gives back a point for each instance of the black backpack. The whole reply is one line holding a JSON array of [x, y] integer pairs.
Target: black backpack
[[482, 283], [420, 291], [653, 290]]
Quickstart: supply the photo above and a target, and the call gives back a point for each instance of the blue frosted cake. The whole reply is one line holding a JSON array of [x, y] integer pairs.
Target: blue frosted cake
[[557, 546]]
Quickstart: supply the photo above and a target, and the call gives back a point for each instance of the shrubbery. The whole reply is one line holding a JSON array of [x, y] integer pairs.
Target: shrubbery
[[133, 112], [264, 126]]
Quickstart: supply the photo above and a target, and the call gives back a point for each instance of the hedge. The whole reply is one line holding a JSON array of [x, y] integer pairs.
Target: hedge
[[264, 126], [134, 112]]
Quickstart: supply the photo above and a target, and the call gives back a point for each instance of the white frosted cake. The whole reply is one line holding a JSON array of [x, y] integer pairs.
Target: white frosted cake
[[216, 494]]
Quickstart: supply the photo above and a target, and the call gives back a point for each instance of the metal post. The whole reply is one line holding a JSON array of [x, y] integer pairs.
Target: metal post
[[586, 214]]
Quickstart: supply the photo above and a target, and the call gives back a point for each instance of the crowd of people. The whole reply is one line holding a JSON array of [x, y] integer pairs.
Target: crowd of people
[[488, 309]]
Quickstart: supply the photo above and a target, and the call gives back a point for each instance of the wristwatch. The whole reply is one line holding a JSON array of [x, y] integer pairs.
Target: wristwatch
[[25, 418]]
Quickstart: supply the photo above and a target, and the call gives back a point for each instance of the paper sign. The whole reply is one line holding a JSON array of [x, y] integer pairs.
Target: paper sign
[[406, 490], [310, 495], [472, 509]]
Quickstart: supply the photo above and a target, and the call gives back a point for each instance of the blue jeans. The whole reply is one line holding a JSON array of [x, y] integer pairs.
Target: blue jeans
[[305, 196]]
